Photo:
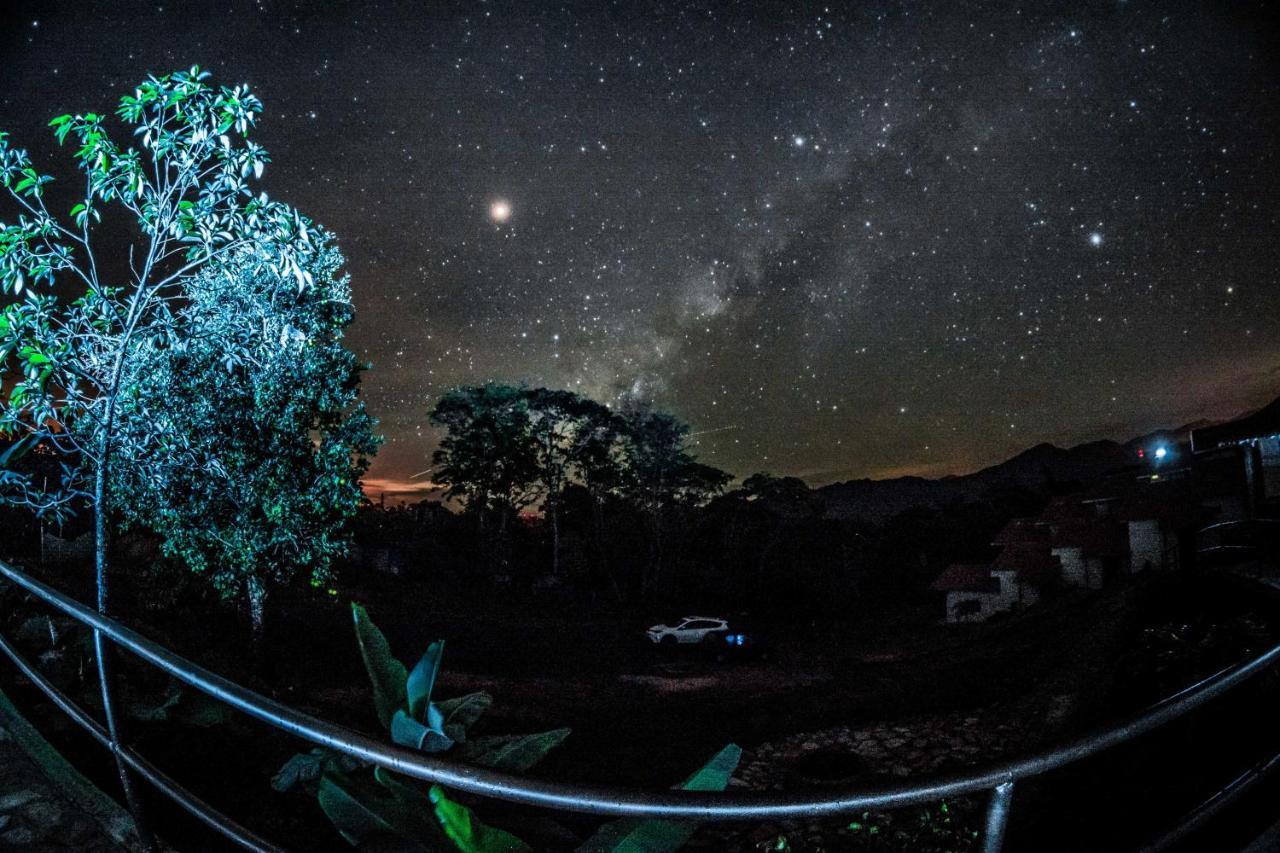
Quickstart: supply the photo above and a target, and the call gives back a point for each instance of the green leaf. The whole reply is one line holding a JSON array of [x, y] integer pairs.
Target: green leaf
[[18, 449], [467, 832], [716, 773], [202, 711], [407, 731], [385, 672], [422, 680], [310, 766], [631, 835], [365, 813], [154, 712], [461, 713], [513, 753]]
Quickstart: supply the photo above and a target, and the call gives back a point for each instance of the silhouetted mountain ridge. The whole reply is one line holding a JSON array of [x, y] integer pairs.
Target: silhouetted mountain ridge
[[1043, 468]]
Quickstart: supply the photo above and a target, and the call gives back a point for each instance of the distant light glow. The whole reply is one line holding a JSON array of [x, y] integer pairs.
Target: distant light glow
[[500, 211], [1161, 452]]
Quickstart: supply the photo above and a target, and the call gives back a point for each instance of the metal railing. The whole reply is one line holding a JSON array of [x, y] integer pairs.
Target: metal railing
[[998, 780]]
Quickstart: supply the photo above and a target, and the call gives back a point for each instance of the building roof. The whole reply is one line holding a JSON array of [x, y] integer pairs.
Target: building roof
[[1261, 424], [1022, 531], [966, 577], [1174, 503], [1031, 561], [1097, 537]]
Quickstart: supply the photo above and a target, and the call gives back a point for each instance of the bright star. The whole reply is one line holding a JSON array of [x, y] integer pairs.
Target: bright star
[[1095, 239], [500, 211], [799, 141]]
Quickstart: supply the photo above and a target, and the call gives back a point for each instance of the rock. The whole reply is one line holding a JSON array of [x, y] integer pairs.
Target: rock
[[16, 800], [45, 813], [19, 836]]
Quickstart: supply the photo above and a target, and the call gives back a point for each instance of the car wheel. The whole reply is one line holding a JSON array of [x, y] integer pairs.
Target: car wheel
[[668, 641]]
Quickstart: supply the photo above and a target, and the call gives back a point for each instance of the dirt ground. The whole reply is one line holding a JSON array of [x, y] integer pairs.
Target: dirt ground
[[903, 702]]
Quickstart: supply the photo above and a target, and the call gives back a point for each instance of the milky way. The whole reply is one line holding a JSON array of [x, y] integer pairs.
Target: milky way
[[841, 241]]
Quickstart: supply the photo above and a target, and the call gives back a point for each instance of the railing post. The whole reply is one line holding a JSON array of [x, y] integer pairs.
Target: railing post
[[997, 817], [131, 799], [102, 652]]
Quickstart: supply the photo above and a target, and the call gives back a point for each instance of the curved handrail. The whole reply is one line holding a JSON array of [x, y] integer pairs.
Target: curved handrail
[[192, 804], [672, 804]]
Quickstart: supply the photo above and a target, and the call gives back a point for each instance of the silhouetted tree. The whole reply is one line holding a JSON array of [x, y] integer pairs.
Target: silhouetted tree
[[659, 474], [564, 427], [488, 457]]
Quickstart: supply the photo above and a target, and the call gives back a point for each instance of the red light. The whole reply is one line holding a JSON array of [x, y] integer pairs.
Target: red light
[[1141, 453]]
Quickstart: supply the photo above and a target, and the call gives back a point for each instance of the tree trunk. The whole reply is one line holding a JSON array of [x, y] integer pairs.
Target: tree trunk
[[555, 541], [256, 597], [597, 516], [502, 540], [655, 551], [102, 651]]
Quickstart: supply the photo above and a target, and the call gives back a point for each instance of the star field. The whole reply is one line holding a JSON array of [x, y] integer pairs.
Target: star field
[[845, 240]]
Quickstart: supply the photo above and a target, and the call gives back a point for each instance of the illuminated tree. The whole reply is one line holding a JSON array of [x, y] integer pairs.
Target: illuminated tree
[[76, 317], [245, 440]]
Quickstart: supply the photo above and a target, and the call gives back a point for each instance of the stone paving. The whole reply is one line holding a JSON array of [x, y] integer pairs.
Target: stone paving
[[45, 805]]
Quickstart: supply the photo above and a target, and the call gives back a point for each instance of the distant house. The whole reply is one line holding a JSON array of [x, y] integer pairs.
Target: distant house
[[1090, 550], [1162, 521], [1256, 440], [1023, 570], [1085, 540], [387, 559], [972, 592], [977, 591]]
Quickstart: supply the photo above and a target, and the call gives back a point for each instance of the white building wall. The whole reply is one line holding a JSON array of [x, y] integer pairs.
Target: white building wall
[[1011, 594], [1146, 545], [1094, 572], [1074, 570], [984, 612]]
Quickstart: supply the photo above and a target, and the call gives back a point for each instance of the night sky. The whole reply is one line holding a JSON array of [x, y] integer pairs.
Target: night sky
[[842, 240]]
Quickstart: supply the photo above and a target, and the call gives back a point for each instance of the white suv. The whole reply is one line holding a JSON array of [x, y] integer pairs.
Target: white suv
[[690, 629]]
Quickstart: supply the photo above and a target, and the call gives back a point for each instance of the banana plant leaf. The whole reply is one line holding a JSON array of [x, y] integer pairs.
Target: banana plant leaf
[[467, 832], [422, 680], [513, 753], [462, 712], [430, 737], [308, 767], [386, 673], [631, 835], [368, 814]]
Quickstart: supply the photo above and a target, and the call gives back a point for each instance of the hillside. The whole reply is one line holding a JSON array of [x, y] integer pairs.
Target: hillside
[[1041, 469], [1038, 469]]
